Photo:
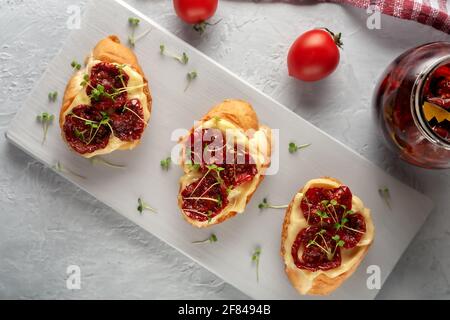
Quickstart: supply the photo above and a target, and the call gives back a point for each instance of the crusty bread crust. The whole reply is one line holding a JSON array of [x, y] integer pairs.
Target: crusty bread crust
[[109, 50], [241, 114], [322, 284]]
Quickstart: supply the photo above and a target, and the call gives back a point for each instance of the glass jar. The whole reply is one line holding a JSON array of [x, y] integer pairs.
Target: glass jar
[[412, 105]]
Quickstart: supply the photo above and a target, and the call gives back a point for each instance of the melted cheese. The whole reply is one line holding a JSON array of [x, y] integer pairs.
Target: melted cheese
[[298, 222], [237, 198], [135, 90]]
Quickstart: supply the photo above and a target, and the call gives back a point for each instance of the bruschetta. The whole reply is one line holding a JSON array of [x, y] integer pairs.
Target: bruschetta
[[107, 103], [327, 232], [224, 158]]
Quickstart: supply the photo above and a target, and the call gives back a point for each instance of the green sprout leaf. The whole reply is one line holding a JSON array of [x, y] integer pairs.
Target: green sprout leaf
[[190, 77], [255, 258], [85, 80], [75, 65], [293, 148], [133, 21], [183, 59], [165, 163], [385, 195], [264, 204], [52, 96], [211, 239], [45, 119], [142, 206]]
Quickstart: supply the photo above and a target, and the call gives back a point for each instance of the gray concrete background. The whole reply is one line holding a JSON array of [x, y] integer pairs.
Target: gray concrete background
[[47, 224]]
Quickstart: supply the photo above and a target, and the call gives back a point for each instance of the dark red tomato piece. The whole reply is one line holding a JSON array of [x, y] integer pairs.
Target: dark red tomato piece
[[353, 230], [205, 198], [113, 80], [206, 146], [318, 250], [209, 146], [80, 136], [321, 206], [314, 55], [128, 122], [195, 11], [239, 167]]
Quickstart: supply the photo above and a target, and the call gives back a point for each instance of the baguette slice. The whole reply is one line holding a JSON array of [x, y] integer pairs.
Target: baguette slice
[[108, 50], [322, 282], [240, 116]]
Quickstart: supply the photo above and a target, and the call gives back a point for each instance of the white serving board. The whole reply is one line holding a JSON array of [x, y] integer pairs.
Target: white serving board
[[230, 257]]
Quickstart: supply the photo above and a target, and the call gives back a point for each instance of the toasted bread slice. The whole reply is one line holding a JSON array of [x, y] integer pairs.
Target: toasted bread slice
[[321, 282], [238, 115], [108, 50]]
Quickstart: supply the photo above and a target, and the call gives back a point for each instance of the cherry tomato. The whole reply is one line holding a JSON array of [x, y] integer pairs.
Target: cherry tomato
[[195, 11], [314, 55]]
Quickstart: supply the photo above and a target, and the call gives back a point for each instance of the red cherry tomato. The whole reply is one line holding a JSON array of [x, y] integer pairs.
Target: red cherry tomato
[[195, 11], [314, 55]]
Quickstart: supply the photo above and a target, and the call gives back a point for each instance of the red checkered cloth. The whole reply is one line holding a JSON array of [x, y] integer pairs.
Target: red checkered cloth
[[430, 12]]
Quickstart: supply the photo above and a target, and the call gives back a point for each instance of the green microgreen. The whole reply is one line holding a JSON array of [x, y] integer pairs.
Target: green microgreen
[[85, 81], [190, 77], [142, 206], [45, 119], [165, 163], [255, 259], [265, 205], [385, 195], [194, 166], [75, 65], [52, 96], [183, 59], [99, 92], [93, 125], [209, 215], [211, 239], [293, 148], [134, 23]]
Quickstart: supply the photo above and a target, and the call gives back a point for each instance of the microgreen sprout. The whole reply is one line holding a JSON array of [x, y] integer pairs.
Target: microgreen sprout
[[85, 80], [60, 168], [46, 119], [209, 215], [385, 195], [52, 96], [134, 23], [165, 163], [211, 239], [293, 148], [265, 205], [201, 27], [190, 77], [194, 166], [75, 65], [100, 160], [183, 59], [255, 259], [142, 206]]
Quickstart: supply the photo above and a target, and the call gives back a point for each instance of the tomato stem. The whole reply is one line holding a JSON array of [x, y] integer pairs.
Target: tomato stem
[[201, 26], [336, 37]]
